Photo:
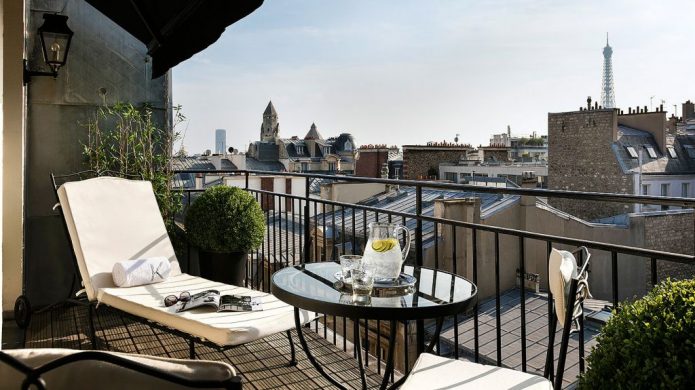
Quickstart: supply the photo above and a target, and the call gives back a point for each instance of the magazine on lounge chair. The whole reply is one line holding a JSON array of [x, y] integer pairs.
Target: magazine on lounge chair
[[221, 302]]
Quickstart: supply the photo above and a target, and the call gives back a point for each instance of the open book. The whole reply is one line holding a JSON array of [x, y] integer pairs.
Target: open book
[[221, 302]]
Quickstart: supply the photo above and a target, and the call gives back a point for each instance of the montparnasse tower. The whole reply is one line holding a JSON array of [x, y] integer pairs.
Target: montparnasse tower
[[607, 92]]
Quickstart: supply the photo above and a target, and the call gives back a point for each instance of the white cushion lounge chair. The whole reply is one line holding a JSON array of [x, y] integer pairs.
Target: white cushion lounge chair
[[569, 288], [111, 219], [55, 368]]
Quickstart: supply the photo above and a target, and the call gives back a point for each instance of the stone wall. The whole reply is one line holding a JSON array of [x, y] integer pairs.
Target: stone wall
[[419, 160], [496, 155], [580, 158], [672, 233]]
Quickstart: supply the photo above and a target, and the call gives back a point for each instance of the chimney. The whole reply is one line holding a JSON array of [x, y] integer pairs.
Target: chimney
[[199, 181], [466, 210]]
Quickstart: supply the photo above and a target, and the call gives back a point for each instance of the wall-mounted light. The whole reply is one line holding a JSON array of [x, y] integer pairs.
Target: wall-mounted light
[[55, 43]]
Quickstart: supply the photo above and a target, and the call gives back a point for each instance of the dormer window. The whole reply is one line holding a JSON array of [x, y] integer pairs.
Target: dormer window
[[300, 149], [348, 146], [672, 152], [326, 150], [650, 151], [690, 150], [631, 151]]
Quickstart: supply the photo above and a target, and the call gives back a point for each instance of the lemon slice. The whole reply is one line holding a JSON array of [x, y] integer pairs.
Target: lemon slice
[[384, 245]]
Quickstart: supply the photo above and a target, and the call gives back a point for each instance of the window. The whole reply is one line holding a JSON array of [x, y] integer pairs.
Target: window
[[396, 173], [650, 151], [305, 167], [326, 150], [300, 149], [631, 151], [664, 189], [685, 190], [332, 166], [671, 152], [645, 189], [451, 176], [348, 146], [690, 149]]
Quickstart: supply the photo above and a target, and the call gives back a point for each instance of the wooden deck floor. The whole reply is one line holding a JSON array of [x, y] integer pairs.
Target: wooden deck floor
[[262, 364]]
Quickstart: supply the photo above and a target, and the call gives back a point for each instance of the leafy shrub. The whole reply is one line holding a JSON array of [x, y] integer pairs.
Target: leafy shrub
[[129, 141], [647, 344], [225, 220]]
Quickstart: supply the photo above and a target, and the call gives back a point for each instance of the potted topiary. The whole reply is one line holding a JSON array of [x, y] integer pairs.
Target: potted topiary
[[225, 223], [647, 344]]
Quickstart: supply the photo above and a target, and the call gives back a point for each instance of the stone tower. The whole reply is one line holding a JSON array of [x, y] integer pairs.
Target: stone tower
[[270, 127], [607, 92]]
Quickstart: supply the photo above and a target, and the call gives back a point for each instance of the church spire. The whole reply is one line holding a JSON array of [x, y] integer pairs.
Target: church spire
[[270, 127]]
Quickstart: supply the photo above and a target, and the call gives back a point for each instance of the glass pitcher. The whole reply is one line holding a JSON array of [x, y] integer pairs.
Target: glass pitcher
[[383, 249]]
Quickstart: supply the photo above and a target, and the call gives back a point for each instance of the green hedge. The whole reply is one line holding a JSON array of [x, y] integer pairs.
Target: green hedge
[[225, 220], [648, 344]]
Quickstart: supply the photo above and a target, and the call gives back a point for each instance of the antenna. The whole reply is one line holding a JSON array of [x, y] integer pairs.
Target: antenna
[[651, 106]]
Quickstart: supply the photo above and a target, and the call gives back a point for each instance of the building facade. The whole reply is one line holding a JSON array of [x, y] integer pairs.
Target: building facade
[[375, 160], [608, 150], [422, 161], [312, 153]]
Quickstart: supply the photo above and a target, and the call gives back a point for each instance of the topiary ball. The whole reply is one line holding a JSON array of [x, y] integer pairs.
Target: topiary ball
[[225, 220], [647, 344]]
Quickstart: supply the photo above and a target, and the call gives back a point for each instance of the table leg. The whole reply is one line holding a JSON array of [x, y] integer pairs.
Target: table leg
[[430, 348], [358, 350], [311, 358], [389, 357]]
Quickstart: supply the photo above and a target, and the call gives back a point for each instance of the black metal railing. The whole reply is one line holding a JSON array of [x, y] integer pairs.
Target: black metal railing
[[299, 224]]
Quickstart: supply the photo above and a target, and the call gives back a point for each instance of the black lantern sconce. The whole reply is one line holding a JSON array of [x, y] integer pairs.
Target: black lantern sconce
[[55, 43]]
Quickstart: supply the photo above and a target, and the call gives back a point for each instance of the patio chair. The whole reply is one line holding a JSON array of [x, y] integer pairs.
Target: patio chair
[[109, 219], [569, 287], [55, 368]]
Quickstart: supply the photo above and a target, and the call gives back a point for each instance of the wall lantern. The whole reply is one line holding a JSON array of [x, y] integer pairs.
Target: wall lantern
[[55, 42]]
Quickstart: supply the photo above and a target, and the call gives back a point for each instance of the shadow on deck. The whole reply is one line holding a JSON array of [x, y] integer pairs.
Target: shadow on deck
[[263, 364]]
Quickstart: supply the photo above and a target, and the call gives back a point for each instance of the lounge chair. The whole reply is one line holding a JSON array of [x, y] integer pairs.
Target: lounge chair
[[111, 219], [569, 287], [55, 368]]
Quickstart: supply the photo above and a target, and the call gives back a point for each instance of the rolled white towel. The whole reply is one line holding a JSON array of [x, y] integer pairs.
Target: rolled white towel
[[129, 273]]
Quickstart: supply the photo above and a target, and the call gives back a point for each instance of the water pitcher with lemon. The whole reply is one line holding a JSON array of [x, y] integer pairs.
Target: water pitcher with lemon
[[384, 250]]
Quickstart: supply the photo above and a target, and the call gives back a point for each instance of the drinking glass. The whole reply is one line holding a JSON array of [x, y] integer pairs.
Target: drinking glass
[[362, 280], [348, 262]]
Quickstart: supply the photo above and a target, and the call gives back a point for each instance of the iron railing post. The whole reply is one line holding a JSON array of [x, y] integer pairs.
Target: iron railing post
[[307, 229], [419, 324]]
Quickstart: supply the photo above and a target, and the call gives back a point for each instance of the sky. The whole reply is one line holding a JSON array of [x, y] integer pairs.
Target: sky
[[401, 72]]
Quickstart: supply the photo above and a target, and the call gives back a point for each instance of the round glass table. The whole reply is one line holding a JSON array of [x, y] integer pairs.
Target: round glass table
[[315, 287]]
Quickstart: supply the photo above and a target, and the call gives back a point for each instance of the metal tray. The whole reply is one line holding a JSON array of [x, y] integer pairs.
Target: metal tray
[[404, 285]]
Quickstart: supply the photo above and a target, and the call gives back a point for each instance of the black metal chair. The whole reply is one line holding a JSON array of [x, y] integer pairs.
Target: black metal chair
[[569, 286]]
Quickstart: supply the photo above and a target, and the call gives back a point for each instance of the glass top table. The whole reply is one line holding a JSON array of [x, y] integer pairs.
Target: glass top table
[[315, 287]]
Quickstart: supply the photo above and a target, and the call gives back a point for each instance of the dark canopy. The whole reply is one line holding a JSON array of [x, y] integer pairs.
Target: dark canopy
[[174, 30]]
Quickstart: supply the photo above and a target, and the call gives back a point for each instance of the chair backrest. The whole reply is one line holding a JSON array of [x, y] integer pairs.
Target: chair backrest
[[111, 219], [569, 287]]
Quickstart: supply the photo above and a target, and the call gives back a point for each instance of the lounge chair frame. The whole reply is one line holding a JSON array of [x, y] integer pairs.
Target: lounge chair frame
[[80, 297], [33, 375]]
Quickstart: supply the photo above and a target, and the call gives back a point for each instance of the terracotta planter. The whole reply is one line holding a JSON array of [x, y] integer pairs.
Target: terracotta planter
[[228, 268]]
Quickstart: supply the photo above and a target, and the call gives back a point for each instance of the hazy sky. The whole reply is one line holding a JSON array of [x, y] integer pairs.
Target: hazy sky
[[403, 72]]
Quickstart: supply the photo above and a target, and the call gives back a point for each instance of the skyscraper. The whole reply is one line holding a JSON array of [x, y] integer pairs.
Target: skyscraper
[[220, 141], [607, 92]]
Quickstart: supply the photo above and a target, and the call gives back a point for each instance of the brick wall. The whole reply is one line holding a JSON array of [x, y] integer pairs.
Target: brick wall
[[671, 233], [370, 162], [419, 160], [580, 158]]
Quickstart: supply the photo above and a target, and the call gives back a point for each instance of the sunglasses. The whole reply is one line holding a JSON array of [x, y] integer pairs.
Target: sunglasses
[[171, 300]]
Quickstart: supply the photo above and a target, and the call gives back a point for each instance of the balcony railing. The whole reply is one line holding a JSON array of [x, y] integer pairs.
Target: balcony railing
[[302, 228]]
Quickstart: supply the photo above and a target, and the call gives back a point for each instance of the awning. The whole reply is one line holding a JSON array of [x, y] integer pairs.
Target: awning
[[174, 30]]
